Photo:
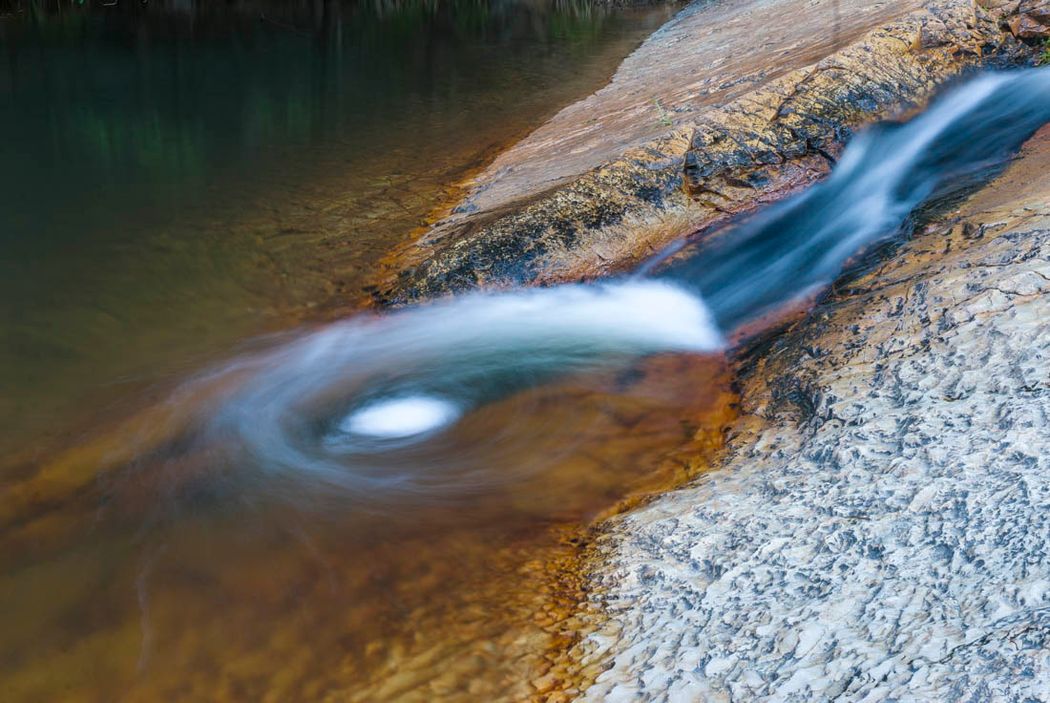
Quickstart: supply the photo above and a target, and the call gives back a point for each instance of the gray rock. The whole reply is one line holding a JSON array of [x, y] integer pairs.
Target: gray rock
[[879, 529]]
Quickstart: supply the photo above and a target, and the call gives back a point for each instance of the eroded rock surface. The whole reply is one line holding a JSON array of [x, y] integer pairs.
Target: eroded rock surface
[[880, 526], [708, 55], [716, 162]]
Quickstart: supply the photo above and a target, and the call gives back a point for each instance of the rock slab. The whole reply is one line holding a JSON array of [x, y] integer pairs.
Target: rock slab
[[716, 160], [879, 529]]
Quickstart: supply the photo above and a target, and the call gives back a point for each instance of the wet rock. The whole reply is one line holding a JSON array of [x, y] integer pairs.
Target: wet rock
[[763, 145], [878, 527], [1027, 27], [1027, 19]]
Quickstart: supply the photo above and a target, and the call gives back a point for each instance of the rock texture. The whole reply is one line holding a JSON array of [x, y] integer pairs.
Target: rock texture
[[762, 145], [879, 528], [708, 55]]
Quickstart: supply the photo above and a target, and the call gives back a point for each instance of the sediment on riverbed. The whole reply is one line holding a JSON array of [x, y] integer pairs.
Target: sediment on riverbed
[[726, 147]]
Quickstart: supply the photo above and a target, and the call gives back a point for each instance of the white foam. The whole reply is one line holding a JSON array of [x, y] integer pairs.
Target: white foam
[[401, 417], [465, 352], [642, 316]]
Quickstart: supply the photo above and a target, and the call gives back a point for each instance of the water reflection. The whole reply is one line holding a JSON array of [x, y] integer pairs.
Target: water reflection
[[179, 176], [188, 175]]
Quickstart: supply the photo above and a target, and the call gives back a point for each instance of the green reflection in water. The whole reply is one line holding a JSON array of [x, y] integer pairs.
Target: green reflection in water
[[178, 176]]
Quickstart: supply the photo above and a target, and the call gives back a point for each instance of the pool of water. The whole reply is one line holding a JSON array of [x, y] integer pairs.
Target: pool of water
[[183, 576], [179, 176], [183, 181]]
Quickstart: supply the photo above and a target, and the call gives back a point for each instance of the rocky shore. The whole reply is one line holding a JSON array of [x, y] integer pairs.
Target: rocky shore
[[878, 527], [621, 175]]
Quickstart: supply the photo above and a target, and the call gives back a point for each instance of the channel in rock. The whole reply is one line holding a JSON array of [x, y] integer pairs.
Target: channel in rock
[[719, 162]]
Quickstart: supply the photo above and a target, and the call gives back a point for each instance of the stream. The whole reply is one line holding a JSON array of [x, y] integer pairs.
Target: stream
[[374, 406], [363, 506]]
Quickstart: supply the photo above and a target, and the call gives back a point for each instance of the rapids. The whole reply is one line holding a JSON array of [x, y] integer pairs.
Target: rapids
[[366, 405], [884, 174]]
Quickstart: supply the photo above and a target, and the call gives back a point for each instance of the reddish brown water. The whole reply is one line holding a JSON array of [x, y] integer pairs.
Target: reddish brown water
[[249, 181], [176, 588]]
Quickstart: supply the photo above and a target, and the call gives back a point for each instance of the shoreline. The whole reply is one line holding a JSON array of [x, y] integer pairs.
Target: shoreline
[[873, 526], [726, 160]]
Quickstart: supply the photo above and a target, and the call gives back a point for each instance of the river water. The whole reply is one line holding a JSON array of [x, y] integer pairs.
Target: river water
[[179, 179], [389, 507]]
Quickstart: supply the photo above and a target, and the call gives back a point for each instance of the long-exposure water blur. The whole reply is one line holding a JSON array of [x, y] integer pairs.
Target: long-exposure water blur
[[226, 476]]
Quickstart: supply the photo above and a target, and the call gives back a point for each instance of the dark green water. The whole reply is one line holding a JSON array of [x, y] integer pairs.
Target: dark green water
[[177, 177]]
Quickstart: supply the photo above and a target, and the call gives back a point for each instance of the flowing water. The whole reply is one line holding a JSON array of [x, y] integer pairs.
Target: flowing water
[[380, 508], [381, 407], [177, 177], [885, 173]]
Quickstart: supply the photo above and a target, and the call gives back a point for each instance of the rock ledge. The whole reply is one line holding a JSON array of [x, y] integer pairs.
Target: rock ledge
[[760, 147]]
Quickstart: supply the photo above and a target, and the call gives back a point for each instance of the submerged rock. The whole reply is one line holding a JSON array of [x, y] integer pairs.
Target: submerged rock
[[716, 161], [878, 526]]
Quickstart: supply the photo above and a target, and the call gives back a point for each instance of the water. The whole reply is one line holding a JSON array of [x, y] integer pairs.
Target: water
[[178, 177], [181, 178], [802, 244], [365, 407], [368, 406], [381, 508]]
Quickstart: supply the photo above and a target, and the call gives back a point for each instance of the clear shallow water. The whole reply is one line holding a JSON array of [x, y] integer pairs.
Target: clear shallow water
[[179, 181], [179, 177], [439, 568], [243, 539]]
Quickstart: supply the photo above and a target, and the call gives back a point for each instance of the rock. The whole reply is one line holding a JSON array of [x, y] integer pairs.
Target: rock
[[1029, 19], [882, 533], [1038, 10], [717, 162], [1006, 7], [1027, 27]]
